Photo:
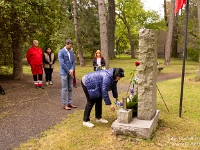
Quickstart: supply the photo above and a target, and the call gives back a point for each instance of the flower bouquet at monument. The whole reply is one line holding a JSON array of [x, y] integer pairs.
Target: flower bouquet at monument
[[100, 68], [118, 104], [133, 104], [132, 100]]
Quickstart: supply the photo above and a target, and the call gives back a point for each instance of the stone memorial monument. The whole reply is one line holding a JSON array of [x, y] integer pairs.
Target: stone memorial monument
[[147, 116]]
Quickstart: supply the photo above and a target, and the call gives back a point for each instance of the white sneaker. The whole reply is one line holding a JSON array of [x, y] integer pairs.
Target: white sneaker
[[88, 124], [50, 82], [47, 83], [101, 120]]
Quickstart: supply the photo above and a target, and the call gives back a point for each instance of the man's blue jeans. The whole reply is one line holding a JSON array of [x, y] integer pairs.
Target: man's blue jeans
[[67, 85]]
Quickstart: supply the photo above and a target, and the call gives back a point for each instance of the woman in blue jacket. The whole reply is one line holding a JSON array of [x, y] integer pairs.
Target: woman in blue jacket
[[96, 86]]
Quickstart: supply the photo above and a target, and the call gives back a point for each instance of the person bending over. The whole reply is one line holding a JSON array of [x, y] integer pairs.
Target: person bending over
[[96, 86]]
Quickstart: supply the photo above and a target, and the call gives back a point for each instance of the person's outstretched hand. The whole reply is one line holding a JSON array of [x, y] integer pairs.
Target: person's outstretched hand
[[112, 108]]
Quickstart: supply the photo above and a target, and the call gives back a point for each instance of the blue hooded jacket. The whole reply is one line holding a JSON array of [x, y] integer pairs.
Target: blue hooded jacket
[[99, 83]]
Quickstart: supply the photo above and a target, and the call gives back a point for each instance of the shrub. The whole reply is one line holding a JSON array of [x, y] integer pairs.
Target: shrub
[[133, 104], [192, 54]]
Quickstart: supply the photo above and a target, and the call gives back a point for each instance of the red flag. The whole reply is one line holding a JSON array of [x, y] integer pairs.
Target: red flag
[[179, 5]]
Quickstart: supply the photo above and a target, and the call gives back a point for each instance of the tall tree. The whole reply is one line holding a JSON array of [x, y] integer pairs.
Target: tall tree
[[123, 8], [169, 34], [175, 38], [165, 12], [197, 78], [17, 55], [26, 20], [88, 25], [80, 52], [124, 19], [103, 30], [111, 28], [131, 16]]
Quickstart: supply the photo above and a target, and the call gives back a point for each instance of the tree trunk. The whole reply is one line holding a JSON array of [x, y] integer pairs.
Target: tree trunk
[[17, 54], [80, 51], [103, 31], [165, 13], [131, 43], [175, 40], [198, 8], [111, 28], [17, 60], [123, 18], [130, 38], [169, 34]]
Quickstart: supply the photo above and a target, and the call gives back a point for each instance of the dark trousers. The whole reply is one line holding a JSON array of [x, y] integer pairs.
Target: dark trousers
[[89, 105], [48, 74], [74, 80], [37, 77], [37, 80]]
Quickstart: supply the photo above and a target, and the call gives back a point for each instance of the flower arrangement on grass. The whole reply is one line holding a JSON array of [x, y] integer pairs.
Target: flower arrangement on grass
[[132, 100]]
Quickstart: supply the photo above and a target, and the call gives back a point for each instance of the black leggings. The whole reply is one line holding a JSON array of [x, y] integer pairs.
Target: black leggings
[[48, 74], [89, 105], [37, 77]]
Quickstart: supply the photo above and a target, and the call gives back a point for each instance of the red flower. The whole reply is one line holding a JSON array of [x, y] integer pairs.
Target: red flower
[[137, 63]]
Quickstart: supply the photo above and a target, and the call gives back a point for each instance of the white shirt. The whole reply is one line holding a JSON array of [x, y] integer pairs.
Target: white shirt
[[99, 61], [68, 54]]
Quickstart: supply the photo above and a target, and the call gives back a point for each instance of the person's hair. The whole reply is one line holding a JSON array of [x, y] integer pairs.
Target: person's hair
[[98, 51], [68, 41], [35, 41], [46, 49], [118, 72]]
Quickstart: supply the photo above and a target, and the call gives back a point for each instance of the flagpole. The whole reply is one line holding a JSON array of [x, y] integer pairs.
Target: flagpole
[[184, 58]]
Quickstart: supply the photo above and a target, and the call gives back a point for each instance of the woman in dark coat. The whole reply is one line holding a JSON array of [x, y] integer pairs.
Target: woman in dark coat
[[98, 61], [96, 86], [48, 64]]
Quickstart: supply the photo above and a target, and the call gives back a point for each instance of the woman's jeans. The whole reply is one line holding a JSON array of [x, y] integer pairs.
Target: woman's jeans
[[90, 104], [67, 85]]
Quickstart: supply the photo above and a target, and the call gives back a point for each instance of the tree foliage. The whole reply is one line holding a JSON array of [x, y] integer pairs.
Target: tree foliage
[[23, 21], [131, 17], [51, 22]]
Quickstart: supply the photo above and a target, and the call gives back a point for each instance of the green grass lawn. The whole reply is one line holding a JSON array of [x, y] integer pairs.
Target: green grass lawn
[[172, 132]]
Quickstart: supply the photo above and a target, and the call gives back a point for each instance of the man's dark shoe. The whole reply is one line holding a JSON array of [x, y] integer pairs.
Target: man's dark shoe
[[72, 106], [75, 86], [37, 87], [41, 87]]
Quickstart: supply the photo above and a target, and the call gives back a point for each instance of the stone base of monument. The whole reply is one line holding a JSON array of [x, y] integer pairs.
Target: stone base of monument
[[137, 127], [124, 116]]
